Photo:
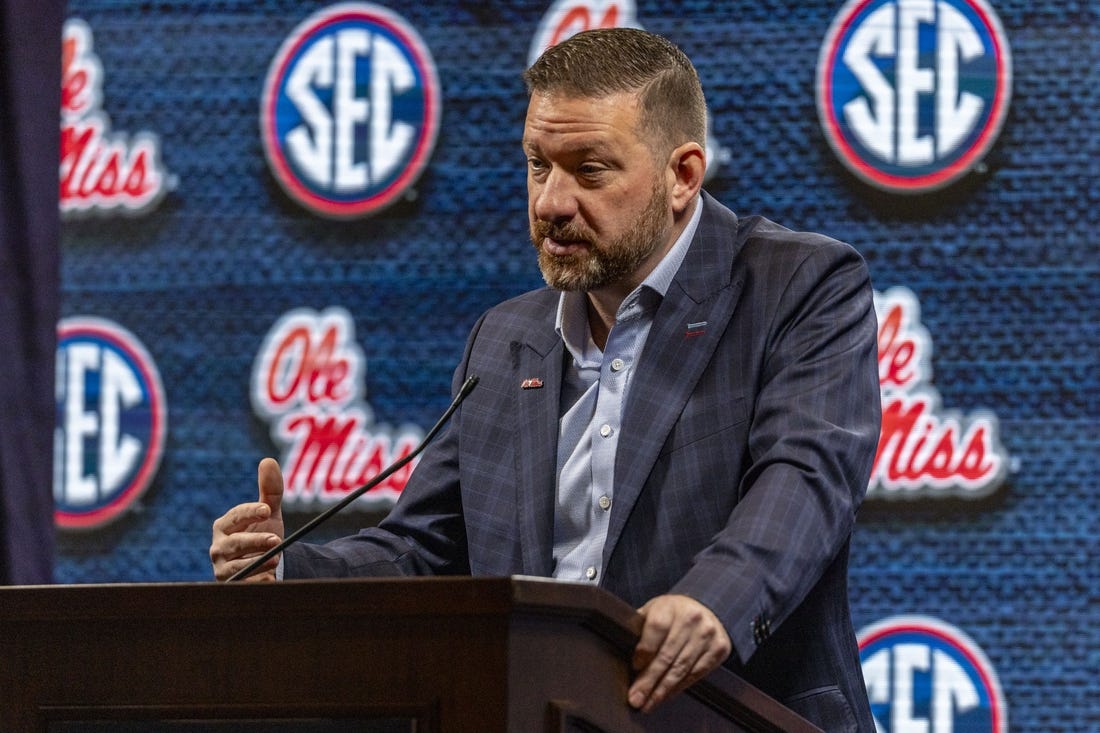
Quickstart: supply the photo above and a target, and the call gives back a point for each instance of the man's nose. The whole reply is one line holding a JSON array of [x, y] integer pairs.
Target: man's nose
[[555, 198]]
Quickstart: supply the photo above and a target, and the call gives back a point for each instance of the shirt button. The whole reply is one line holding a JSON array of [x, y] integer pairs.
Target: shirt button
[[617, 364], [590, 573], [604, 502], [605, 430]]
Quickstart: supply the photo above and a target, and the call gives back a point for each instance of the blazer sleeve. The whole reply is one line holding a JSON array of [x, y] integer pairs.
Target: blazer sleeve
[[812, 440]]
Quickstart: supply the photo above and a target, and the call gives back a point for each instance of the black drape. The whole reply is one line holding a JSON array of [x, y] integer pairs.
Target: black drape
[[30, 108]]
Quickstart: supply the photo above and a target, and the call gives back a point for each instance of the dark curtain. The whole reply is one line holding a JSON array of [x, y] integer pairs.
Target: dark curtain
[[30, 108]]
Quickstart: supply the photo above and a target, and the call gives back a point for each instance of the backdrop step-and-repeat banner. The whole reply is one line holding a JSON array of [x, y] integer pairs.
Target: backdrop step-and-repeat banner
[[281, 219]]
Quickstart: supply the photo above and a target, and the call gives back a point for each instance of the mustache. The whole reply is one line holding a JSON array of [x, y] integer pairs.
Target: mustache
[[567, 232]]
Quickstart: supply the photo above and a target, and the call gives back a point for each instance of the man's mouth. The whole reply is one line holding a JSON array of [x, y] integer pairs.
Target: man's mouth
[[563, 247]]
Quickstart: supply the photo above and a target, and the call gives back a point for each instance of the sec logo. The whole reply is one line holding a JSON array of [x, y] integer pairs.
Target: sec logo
[[911, 94], [926, 676], [111, 421], [350, 110]]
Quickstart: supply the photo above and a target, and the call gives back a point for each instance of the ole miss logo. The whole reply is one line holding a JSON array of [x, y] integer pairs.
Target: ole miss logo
[[111, 422], [102, 170], [350, 110], [912, 93], [925, 675], [308, 384], [566, 18]]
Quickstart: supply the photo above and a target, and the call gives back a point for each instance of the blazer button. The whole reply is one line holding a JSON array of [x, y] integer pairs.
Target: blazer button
[[761, 629]]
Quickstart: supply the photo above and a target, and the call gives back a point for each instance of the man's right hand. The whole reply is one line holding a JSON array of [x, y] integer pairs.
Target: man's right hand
[[248, 530]]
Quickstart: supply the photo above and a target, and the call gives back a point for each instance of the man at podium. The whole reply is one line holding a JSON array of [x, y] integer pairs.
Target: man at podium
[[687, 415]]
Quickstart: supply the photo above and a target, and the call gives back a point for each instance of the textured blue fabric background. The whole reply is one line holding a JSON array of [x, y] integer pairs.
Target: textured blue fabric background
[[1005, 265]]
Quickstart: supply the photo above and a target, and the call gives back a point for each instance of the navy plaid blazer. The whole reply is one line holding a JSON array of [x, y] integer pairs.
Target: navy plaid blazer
[[745, 451]]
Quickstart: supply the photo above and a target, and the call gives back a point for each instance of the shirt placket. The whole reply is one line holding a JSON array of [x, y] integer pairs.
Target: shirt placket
[[618, 355]]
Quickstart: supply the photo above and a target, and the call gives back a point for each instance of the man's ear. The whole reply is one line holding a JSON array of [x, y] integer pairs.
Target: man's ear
[[687, 163]]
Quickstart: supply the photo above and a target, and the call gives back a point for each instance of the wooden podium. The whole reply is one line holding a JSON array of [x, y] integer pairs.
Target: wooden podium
[[373, 656]]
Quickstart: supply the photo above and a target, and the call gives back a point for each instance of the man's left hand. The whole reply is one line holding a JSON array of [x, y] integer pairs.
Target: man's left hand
[[682, 642]]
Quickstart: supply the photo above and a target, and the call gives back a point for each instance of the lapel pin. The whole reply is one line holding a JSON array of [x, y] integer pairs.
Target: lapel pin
[[531, 383], [696, 329]]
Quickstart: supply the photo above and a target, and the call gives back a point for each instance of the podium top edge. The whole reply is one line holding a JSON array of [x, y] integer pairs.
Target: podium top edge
[[358, 596]]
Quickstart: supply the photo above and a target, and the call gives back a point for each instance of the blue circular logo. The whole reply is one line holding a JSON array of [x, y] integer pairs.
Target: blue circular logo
[[924, 674], [912, 94], [111, 422], [350, 110]]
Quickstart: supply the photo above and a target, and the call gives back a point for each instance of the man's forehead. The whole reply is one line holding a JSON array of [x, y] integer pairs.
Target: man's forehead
[[560, 99], [586, 122]]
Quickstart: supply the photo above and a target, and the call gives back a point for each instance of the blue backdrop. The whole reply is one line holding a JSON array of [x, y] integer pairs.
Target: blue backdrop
[[189, 259]]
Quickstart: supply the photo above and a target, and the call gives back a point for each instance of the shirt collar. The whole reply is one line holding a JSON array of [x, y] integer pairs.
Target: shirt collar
[[571, 322], [661, 278]]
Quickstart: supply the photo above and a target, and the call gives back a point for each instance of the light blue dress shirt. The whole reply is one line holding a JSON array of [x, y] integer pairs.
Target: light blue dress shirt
[[595, 386]]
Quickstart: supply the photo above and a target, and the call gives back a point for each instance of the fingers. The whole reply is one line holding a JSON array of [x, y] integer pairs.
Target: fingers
[[226, 569], [682, 641], [240, 535], [248, 530], [270, 480], [241, 518]]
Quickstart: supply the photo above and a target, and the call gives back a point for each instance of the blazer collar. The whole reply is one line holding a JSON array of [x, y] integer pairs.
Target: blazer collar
[[708, 265], [685, 333], [537, 374]]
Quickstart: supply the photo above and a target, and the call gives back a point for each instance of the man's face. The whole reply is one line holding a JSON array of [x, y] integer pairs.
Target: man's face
[[597, 200]]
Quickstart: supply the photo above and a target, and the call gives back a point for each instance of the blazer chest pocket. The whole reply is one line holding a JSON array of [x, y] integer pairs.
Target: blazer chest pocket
[[706, 421], [825, 707]]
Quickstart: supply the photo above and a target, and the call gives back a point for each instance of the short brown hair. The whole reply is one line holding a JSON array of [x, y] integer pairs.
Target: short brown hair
[[607, 61]]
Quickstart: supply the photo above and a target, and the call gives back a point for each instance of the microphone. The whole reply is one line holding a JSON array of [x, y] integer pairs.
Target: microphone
[[463, 392]]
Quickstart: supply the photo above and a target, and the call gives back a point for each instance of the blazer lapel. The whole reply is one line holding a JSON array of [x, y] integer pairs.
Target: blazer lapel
[[537, 364], [688, 325]]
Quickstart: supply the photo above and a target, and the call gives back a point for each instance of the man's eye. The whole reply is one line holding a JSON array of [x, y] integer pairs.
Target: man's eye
[[591, 170]]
